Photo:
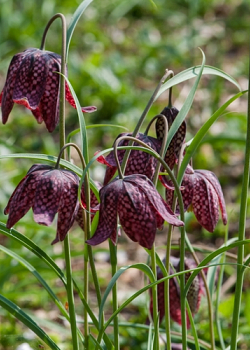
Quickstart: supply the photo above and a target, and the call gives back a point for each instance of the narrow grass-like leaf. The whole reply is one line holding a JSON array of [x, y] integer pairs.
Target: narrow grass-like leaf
[[31, 268], [75, 18], [186, 106], [25, 319], [193, 73], [92, 126], [210, 257], [26, 242], [81, 119], [98, 345], [190, 150], [142, 267]]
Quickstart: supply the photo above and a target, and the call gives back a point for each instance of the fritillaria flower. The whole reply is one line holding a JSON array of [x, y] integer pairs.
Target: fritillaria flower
[[138, 205], [174, 148], [203, 194], [193, 296], [33, 81], [47, 191], [139, 162]]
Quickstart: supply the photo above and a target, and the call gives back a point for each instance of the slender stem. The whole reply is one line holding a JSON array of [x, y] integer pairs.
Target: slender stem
[[113, 261], [155, 300], [69, 285], [242, 224], [209, 300], [119, 169], [144, 114], [218, 292]]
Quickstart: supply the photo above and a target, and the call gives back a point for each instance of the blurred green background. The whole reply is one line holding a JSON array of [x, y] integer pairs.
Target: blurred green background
[[118, 53]]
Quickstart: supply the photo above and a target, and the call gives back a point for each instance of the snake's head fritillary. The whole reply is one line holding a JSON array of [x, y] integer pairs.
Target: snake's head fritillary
[[33, 81], [203, 194], [193, 296], [47, 191], [140, 208], [139, 162]]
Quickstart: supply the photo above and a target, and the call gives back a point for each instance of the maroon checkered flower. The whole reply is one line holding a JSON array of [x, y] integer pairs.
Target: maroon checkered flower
[[140, 208], [47, 191], [139, 162], [203, 194], [32, 81], [193, 297]]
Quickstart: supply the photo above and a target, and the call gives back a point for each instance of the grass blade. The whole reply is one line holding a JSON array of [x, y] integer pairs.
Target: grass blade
[[25, 319]]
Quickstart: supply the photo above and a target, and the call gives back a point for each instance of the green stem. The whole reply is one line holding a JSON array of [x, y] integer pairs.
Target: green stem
[[155, 300], [69, 285], [144, 114], [242, 224], [113, 261]]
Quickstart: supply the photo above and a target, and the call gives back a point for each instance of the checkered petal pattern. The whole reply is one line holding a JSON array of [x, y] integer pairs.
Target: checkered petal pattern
[[193, 296], [33, 82], [212, 178], [139, 162], [108, 213], [47, 191], [138, 205], [202, 192]]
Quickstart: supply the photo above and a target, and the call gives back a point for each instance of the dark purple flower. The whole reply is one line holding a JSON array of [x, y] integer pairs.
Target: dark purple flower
[[193, 297], [32, 81], [140, 208], [139, 162], [47, 191], [203, 194], [174, 148]]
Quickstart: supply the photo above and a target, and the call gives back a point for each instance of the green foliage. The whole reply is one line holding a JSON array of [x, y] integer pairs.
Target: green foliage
[[117, 54]]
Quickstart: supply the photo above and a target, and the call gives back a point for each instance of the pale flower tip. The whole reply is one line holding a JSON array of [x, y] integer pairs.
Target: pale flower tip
[[89, 109]]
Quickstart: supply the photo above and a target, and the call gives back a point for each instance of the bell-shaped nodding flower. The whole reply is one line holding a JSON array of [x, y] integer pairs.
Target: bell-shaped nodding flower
[[139, 162], [33, 81], [193, 296], [203, 194], [174, 148], [140, 208], [47, 191]]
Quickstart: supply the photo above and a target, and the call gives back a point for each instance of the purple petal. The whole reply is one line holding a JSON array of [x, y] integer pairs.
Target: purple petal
[[68, 208], [154, 198], [49, 104], [48, 196], [22, 198], [7, 101], [205, 203], [31, 79], [137, 216], [212, 178], [108, 213]]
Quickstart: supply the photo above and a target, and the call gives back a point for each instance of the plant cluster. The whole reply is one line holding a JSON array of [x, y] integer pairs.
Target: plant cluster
[[128, 201]]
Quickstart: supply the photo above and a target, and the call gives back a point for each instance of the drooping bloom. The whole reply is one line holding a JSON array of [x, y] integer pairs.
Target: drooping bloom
[[193, 296], [203, 194], [139, 162], [33, 81], [140, 208], [174, 147], [47, 191]]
